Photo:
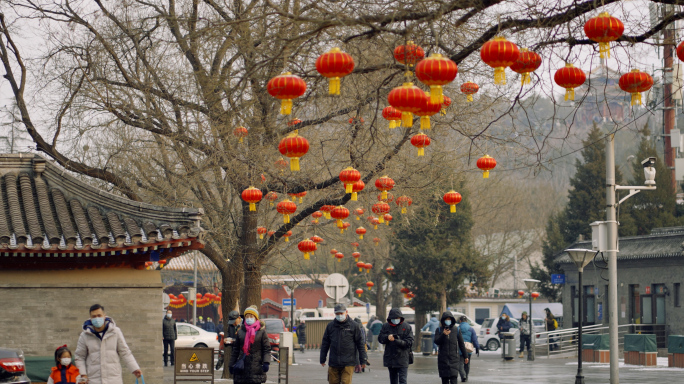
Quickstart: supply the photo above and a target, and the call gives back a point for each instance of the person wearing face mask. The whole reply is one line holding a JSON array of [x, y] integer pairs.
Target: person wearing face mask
[[452, 351], [343, 339], [251, 345], [169, 335], [101, 347], [397, 337], [64, 372]]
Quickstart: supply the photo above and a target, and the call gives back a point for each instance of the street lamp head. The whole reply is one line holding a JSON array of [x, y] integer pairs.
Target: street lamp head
[[649, 170], [581, 257], [531, 283]]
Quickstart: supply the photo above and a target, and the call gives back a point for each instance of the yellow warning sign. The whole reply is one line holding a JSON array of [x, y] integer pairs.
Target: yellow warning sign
[[194, 357]]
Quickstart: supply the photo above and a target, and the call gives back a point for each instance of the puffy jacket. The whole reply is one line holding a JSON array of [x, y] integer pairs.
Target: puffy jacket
[[169, 331], [376, 327], [473, 339], [209, 326], [396, 352], [503, 325], [431, 325], [100, 359], [525, 326], [301, 333], [63, 375], [259, 353], [343, 340], [465, 331], [450, 348]]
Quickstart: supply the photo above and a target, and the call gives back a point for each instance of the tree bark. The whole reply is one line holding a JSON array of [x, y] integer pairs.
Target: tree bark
[[380, 299], [252, 259], [443, 301], [420, 322]]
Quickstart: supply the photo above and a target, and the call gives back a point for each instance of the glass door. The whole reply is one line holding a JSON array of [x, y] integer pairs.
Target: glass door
[[647, 309]]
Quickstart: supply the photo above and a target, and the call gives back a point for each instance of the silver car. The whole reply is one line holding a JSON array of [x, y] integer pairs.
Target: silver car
[[489, 340]]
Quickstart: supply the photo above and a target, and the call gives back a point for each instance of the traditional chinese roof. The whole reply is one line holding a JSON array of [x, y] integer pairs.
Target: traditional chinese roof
[[51, 220]]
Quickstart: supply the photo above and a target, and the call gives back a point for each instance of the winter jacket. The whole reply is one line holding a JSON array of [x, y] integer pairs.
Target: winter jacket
[[63, 375], [525, 326], [209, 326], [343, 340], [503, 325], [396, 352], [259, 353], [100, 359], [301, 333], [450, 348], [169, 331], [473, 339], [431, 325], [219, 327], [465, 332], [550, 326], [376, 327], [232, 331]]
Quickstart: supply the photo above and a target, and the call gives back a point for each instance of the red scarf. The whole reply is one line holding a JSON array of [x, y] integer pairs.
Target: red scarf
[[250, 331]]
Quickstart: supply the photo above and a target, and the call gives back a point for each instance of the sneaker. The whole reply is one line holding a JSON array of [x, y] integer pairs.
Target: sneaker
[[521, 355]]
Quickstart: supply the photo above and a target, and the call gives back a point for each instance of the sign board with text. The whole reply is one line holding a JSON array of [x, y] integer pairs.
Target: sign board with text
[[287, 303], [558, 279], [193, 363]]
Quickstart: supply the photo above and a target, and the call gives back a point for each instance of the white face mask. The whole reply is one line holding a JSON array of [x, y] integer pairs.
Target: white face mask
[[341, 318], [65, 361], [250, 320], [168, 315]]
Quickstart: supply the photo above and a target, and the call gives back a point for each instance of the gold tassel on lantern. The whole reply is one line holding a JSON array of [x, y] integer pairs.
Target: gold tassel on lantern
[[604, 50], [421, 151], [525, 79], [569, 94], [375, 226], [286, 107], [334, 86], [383, 195], [349, 188], [407, 119], [294, 164], [403, 209], [306, 255], [453, 208], [357, 217], [286, 218], [340, 224], [500, 75], [355, 198], [287, 239], [436, 95], [241, 140], [469, 98], [380, 220], [425, 122], [386, 222], [485, 175], [393, 124], [261, 236], [342, 230], [636, 98], [442, 112], [252, 206], [360, 237]]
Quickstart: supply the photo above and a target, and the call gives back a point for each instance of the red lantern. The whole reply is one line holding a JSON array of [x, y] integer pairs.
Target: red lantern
[[240, 133], [316, 239], [252, 196], [445, 105], [286, 208], [294, 196], [293, 122], [333, 251], [359, 291], [680, 51], [294, 147], [404, 290], [603, 29], [376, 240], [361, 265], [499, 53], [409, 54], [270, 233], [469, 89], [287, 236], [521, 293], [389, 199], [356, 256], [389, 270], [428, 108], [388, 218], [368, 267], [436, 71], [339, 213], [355, 244], [528, 61], [380, 209], [636, 82], [348, 177], [307, 247], [317, 215], [356, 188], [535, 295], [393, 115], [404, 202], [360, 231], [375, 221], [359, 212], [452, 198], [486, 164], [569, 78], [334, 64], [271, 197], [384, 184], [326, 210], [345, 225], [408, 99], [339, 256], [420, 141], [369, 285], [261, 231], [281, 164], [286, 87]]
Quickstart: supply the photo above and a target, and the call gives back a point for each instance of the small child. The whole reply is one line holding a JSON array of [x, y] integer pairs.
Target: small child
[[64, 372]]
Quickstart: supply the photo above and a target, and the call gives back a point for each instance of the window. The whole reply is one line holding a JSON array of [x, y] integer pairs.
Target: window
[[274, 326], [481, 314], [676, 295], [183, 330]]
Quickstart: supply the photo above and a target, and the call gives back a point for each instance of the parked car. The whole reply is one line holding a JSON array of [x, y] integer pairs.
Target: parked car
[[274, 327], [489, 340], [12, 367], [190, 336]]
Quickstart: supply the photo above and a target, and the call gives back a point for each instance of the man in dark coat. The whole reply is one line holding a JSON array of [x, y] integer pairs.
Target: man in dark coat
[[342, 337], [301, 334], [451, 349], [230, 336], [397, 337], [170, 334]]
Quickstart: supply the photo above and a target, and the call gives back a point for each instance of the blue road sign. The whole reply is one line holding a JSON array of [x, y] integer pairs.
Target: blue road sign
[[320, 303], [368, 308], [286, 303], [558, 279]]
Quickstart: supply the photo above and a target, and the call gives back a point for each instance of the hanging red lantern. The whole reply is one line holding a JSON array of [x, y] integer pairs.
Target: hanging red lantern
[[388, 199], [261, 231], [636, 82], [521, 293], [535, 295], [469, 89], [393, 115], [316, 239], [376, 240], [499, 53], [452, 198], [486, 164], [389, 270], [387, 218], [356, 188], [345, 225], [294, 147], [408, 99], [368, 267], [569, 77], [404, 202], [360, 231], [348, 177], [356, 256], [369, 285], [603, 29], [680, 51], [317, 215], [240, 133], [428, 108], [359, 291], [286, 87], [361, 265], [380, 209], [374, 222], [286, 208], [333, 251], [307, 247], [326, 210], [334, 64], [271, 197], [404, 290], [270, 233], [252, 196], [359, 212], [293, 122], [420, 141], [294, 196], [436, 71], [339, 213], [409, 54], [528, 61], [410, 295], [384, 184], [339, 256], [354, 244], [281, 164], [287, 236], [445, 105]]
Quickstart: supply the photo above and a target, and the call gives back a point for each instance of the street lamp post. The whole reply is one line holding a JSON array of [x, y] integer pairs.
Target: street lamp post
[[531, 284], [581, 257]]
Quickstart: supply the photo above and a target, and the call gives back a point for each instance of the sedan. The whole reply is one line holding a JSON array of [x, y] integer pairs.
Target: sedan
[[274, 327], [190, 336]]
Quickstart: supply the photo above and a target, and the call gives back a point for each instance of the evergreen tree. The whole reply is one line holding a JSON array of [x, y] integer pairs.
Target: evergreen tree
[[552, 244]]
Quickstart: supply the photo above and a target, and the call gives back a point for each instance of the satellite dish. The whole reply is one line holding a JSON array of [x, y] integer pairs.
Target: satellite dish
[[336, 286]]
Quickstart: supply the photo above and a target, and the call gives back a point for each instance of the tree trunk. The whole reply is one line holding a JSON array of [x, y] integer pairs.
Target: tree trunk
[[443, 301], [396, 296], [420, 322], [251, 260], [380, 299]]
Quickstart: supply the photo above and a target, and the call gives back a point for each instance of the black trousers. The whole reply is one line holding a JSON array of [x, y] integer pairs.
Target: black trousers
[[398, 375], [466, 367], [449, 380], [172, 345], [525, 340]]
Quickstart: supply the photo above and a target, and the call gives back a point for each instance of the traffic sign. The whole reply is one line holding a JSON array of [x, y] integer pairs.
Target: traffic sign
[[336, 286], [286, 303], [558, 279], [368, 308]]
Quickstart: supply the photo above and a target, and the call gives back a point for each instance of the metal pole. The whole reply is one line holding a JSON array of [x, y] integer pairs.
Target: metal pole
[[515, 275], [579, 379], [530, 352], [292, 307], [611, 242], [194, 299]]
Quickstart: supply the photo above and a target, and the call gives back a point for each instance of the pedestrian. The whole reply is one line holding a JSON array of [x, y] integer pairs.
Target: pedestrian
[[432, 326], [469, 336], [369, 334], [219, 327], [301, 334], [397, 337], [169, 335], [449, 363], [359, 323], [343, 339], [64, 372], [101, 346], [525, 333], [375, 329], [230, 335], [253, 347], [200, 322], [209, 326], [551, 325], [503, 325]]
